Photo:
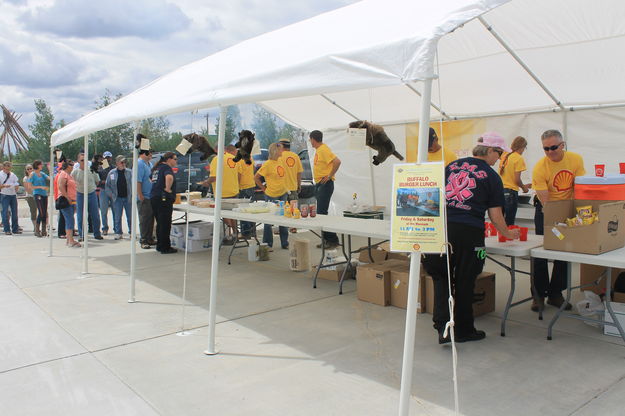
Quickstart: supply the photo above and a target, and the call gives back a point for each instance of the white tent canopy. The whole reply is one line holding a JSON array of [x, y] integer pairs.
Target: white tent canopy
[[362, 56], [369, 44]]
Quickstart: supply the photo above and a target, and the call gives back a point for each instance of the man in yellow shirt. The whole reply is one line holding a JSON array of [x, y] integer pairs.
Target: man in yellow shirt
[[230, 183], [325, 165], [436, 151], [247, 189], [293, 168], [553, 179]]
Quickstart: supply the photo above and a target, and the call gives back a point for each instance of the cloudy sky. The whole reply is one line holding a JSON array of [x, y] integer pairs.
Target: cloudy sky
[[68, 52]]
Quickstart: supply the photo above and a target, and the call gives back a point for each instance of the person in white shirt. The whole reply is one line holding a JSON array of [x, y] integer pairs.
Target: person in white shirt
[[8, 192]]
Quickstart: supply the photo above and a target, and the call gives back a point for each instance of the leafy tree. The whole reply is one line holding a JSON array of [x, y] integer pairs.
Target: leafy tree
[[233, 124], [298, 141], [265, 127], [117, 140], [157, 130]]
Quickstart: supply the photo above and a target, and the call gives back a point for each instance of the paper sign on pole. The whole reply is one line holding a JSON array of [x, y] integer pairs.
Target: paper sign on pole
[[105, 164], [418, 220], [356, 139], [58, 153], [256, 148], [145, 144], [183, 147]]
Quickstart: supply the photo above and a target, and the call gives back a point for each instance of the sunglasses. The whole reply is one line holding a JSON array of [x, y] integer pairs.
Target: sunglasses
[[499, 151], [554, 147]]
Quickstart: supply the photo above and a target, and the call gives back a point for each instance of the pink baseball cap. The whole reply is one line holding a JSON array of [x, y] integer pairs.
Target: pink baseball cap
[[492, 139]]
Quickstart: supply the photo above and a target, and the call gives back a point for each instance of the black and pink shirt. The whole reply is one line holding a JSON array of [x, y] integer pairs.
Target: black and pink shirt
[[471, 187]]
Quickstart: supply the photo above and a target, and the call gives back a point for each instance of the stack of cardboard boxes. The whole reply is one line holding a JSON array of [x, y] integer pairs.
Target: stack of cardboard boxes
[[385, 282], [200, 236]]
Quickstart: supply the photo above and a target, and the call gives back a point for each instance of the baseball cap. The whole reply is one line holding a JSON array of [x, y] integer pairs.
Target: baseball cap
[[432, 137], [285, 141], [492, 139], [107, 154]]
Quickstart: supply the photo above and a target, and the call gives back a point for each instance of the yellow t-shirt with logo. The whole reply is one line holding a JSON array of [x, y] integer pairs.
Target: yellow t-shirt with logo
[[293, 165], [511, 165], [447, 156], [558, 177], [247, 175], [322, 165], [274, 174], [230, 186]]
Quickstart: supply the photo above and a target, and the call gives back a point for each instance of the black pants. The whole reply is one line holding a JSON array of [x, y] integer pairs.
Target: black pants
[[162, 213], [542, 285], [511, 203], [467, 261], [323, 193]]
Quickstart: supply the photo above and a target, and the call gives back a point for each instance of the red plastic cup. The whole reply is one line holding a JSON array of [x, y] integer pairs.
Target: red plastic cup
[[501, 238], [599, 170], [493, 230], [523, 233], [621, 167]]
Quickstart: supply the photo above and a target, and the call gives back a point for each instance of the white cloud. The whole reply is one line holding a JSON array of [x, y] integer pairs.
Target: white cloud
[[111, 18]]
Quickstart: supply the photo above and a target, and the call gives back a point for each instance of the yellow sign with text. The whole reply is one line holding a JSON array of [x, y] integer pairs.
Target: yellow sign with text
[[418, 220]]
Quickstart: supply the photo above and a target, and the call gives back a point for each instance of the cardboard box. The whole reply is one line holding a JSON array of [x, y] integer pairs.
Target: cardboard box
[[605, 235], [177, 230], [589, 273], [176, 242], [299, 252], [373, 281], [392, 255], [378, 254], [197, 245], [619, 310], [200, 230], [483, 297], [330, 274], [399, 287]]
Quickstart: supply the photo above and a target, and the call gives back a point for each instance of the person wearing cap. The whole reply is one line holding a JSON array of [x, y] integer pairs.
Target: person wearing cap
[[472, 187], [119, 190], [92, 200], [144, 190], [105, 201], [436, 151], [325, 166], [511, 165], [553, 179], [293, 169]]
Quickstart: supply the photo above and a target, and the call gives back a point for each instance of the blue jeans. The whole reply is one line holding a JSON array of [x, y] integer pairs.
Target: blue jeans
[[118, 205], [511, 203], [542, 285], [105, 202], [9, 202], [94, 213], [68, 216], [268, 232], [323, 193], [246, 226]]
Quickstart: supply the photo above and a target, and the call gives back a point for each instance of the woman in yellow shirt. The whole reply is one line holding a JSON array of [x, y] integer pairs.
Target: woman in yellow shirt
[[275, 190], [510, 167]]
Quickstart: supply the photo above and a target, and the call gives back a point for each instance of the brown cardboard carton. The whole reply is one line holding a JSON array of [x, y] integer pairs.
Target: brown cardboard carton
[[483, 297], [392, 255], [299, 252], [373, 282], [605, 235], [589, 273], [377, 254], [399, 287], [327, 274]]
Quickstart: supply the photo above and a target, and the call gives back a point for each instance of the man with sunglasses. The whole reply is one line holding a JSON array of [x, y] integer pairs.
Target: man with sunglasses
[[553, 179]]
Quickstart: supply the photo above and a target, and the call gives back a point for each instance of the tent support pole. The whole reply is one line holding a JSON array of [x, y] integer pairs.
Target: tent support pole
[[415, 268], [343, 109], [85, 207], [520, 62], [212, 306], [51, 199], [434, 106], [133, 216]]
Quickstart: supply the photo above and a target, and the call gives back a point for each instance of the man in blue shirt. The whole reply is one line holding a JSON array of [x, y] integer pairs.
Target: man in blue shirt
[[144, 187]]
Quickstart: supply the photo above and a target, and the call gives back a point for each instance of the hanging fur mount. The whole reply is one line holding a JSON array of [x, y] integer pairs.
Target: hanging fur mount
[[199, 144], [377, 140], [244, 146]]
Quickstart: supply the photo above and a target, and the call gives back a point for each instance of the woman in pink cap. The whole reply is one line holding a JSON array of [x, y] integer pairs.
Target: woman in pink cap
[[472, 187]]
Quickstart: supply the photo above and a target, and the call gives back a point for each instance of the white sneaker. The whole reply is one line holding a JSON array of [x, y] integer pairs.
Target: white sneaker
[[119, 236]]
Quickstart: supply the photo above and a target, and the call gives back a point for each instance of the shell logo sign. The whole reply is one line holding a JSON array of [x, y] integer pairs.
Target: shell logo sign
[[290, 162], [231, 163], [280, 171], [416, 247], [563, 181]]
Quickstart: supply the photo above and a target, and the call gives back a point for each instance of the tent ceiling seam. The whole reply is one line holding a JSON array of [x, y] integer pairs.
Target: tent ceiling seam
[[516, 57]]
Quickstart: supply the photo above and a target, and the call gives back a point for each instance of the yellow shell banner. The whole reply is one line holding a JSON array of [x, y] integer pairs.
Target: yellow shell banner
[[418, 208]]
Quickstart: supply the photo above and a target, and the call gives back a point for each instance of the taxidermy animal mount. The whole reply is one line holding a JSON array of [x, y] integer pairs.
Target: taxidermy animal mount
[[377, 139]]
